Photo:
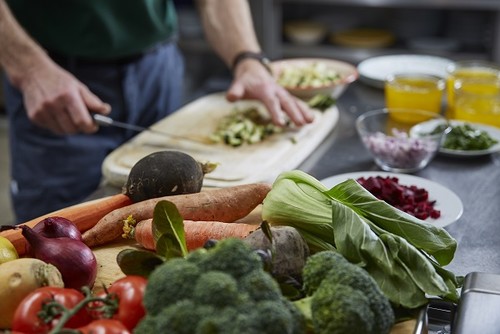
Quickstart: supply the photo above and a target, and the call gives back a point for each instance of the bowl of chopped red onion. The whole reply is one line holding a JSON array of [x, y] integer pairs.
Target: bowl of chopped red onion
[[388, 136]]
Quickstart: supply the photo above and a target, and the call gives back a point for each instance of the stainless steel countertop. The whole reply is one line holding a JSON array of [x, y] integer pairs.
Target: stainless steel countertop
[[475, 180]]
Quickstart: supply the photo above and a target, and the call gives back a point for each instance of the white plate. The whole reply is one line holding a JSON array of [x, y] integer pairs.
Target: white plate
[[447, 201], [374, 71], [494, 133]]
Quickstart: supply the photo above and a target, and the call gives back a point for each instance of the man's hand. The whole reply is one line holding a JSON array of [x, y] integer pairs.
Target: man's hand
[[253, 81], [56, 100]]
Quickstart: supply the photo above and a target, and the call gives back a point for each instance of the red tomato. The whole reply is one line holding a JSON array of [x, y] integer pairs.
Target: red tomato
[[104, 326], [130, 291], [26, 318]]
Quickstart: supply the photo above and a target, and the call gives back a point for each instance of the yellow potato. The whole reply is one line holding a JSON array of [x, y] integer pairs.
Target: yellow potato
[[18, 278]]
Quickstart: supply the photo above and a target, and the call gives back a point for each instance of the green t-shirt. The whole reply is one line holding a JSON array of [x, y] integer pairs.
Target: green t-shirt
[[97, 29]]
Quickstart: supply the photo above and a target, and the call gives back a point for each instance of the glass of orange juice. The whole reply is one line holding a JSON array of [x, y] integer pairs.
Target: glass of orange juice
[[479, 72], [477, 100], [414, 91]]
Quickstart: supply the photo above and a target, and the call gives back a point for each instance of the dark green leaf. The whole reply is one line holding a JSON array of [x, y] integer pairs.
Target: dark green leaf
[[138, 262], [359, 244], [431, 239], [168, 231]]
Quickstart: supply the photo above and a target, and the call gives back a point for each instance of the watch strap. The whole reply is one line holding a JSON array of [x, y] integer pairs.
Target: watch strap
[[259, 56]]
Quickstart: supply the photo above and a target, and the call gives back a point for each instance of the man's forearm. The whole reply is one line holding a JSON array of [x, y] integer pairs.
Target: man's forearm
[[18, 52], [228, 27]]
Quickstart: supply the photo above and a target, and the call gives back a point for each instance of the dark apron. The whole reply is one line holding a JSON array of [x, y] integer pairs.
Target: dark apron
[[49, 171]]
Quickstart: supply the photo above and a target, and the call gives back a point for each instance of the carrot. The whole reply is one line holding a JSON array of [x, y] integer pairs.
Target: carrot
[[223, 204], [196, 232], [83, 215]]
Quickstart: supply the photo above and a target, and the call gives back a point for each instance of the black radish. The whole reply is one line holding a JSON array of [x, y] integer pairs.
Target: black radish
[[74, 259], [165, 173]]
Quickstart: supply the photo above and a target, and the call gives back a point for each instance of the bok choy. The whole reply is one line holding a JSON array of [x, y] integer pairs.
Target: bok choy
[[404, 254]]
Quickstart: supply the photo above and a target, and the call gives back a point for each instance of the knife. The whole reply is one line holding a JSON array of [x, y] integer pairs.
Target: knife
[[108, 121]]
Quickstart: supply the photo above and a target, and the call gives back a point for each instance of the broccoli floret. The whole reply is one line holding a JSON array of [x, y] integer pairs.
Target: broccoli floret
[[218, 289], [197, 255], [221, 290], [181, 318], [146, 325], [260, 286], [273, 317], [340, 309], [318, 266], [343, 298], [359, 279], [270, 316], [168, 283], [231, 256], [230, 320]]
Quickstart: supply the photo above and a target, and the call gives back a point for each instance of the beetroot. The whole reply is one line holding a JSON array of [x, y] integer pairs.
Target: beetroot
[[410, 199]]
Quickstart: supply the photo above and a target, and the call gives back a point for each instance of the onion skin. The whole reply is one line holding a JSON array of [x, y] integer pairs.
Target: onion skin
[[74, 259], [57, 227]]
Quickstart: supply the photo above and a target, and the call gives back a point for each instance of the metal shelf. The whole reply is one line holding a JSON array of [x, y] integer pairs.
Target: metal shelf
[[437, 4], [268, 18], [356, 55]]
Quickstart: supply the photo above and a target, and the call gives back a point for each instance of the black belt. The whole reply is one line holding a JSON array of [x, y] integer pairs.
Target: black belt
[[82, 61]]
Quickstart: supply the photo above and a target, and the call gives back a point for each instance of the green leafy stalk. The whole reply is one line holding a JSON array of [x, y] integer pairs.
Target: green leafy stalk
[[421, 234], [168, 231], [402, 253], [170, 241]]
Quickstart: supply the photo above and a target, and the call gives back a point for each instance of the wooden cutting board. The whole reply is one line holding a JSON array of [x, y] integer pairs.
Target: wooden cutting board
[[245, 164]]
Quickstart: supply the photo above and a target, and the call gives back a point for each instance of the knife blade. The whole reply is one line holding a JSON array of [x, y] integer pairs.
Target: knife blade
[[108, 121]]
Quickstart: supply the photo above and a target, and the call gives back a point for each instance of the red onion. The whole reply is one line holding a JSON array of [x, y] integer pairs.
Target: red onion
[[56, 227], [400, 150], [74, 259]]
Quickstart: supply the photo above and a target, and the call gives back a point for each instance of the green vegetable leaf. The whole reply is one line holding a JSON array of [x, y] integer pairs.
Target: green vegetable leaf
[[321, 101], [423, 235], [138, 262], [168, 231], [402, 253], [356, 241], [297, 200]]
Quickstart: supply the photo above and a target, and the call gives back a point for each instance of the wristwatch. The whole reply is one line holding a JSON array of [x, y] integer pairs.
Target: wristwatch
[[259, 56]]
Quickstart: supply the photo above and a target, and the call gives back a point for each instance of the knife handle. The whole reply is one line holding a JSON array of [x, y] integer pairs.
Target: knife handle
[[102, 120]]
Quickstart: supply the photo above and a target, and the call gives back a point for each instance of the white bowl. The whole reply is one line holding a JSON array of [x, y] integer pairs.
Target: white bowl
[[307, 77]]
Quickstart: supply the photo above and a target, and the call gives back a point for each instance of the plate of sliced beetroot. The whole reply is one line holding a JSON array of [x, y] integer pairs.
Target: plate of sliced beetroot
[[419, 197]]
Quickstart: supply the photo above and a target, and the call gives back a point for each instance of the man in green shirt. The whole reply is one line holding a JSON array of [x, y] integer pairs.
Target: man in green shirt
[[66, 59]]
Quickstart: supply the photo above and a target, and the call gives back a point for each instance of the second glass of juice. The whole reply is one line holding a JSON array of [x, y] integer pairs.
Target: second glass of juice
[[475, 74]]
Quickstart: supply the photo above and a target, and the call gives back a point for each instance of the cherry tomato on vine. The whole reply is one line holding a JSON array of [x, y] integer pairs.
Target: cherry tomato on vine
[[104, 326], [26, 317], [130, 291]]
